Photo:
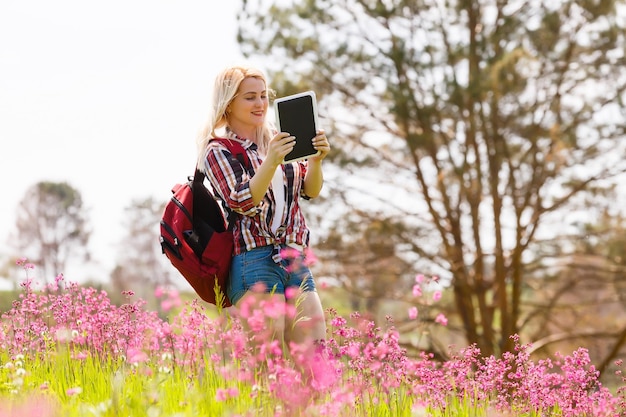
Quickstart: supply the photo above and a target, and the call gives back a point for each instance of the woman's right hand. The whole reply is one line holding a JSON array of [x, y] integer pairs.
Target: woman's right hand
[[278, 147]]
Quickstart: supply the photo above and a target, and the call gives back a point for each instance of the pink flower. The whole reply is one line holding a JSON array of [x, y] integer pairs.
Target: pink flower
[[338, 321], [74, 391], [256, 321], [221, 395], [437, 296], [273, 308], [417, 291], [419, 278], [166, 305], [309, 257], [159, 292], [23, 262], [413, 313], [259, 288], [135, 355], [172, 300], [291, 292], [441, 319], [289, 253]]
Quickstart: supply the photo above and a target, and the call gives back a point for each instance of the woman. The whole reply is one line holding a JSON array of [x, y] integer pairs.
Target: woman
[[266, 198]]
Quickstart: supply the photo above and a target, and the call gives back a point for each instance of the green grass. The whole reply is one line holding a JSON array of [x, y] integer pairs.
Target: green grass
[[199, 363], [109, 387]]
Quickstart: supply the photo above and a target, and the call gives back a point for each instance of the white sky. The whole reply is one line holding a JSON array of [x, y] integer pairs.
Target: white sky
[[107, 96]]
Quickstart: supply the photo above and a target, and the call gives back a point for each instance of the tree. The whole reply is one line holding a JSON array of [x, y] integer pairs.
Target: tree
[[140, 266], [502, 121], [370, 267], [586, 290], [52, 226]]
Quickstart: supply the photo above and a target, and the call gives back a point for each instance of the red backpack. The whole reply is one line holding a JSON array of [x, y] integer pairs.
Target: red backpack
[[197, 238]]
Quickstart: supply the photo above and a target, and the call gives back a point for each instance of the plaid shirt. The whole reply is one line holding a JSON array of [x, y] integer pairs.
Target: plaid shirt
[[231, 183]]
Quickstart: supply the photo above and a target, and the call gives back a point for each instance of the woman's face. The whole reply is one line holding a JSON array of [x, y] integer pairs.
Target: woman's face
[[249, 107]]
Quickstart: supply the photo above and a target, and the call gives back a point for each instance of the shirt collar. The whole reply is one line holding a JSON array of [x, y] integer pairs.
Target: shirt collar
[[246, 143]]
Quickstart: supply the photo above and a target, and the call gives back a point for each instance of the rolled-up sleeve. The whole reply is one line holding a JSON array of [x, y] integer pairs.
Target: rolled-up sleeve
[[229, 180]]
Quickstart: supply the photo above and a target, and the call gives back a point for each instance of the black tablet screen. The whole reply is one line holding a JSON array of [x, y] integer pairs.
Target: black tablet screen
[[296, 117]]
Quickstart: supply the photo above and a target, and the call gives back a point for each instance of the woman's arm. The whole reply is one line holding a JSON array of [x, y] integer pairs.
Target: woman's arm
[[314, 178], [278, 148]]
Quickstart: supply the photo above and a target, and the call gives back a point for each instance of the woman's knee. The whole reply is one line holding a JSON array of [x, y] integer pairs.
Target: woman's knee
[[262, 314], [309, 323]]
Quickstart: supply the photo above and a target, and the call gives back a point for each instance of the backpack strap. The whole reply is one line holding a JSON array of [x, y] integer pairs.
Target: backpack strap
[[238, 151]]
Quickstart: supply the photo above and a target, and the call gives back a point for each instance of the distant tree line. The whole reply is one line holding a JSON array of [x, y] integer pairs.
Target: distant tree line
[[53, 230]]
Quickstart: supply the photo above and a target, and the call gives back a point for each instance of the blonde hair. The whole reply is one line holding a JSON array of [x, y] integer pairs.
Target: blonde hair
[[225, 89]]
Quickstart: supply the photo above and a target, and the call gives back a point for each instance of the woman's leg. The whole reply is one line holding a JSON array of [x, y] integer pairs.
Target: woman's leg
[[309, 325], [305, 334], [256, 288], [262, 316]]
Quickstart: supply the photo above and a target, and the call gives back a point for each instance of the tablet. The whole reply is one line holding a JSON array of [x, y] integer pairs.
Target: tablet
[[297, 115]]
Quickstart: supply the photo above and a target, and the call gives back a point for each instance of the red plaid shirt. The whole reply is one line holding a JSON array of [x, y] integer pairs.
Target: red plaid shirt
[[231, 183]]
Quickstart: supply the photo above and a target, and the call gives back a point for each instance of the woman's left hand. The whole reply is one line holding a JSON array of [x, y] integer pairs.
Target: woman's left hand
[[320, 143]]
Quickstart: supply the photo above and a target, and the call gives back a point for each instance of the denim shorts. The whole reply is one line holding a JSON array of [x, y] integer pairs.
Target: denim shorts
[[258, 266]]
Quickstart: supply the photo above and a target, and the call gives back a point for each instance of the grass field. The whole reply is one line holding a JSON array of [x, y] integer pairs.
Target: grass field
[[66, 350]]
